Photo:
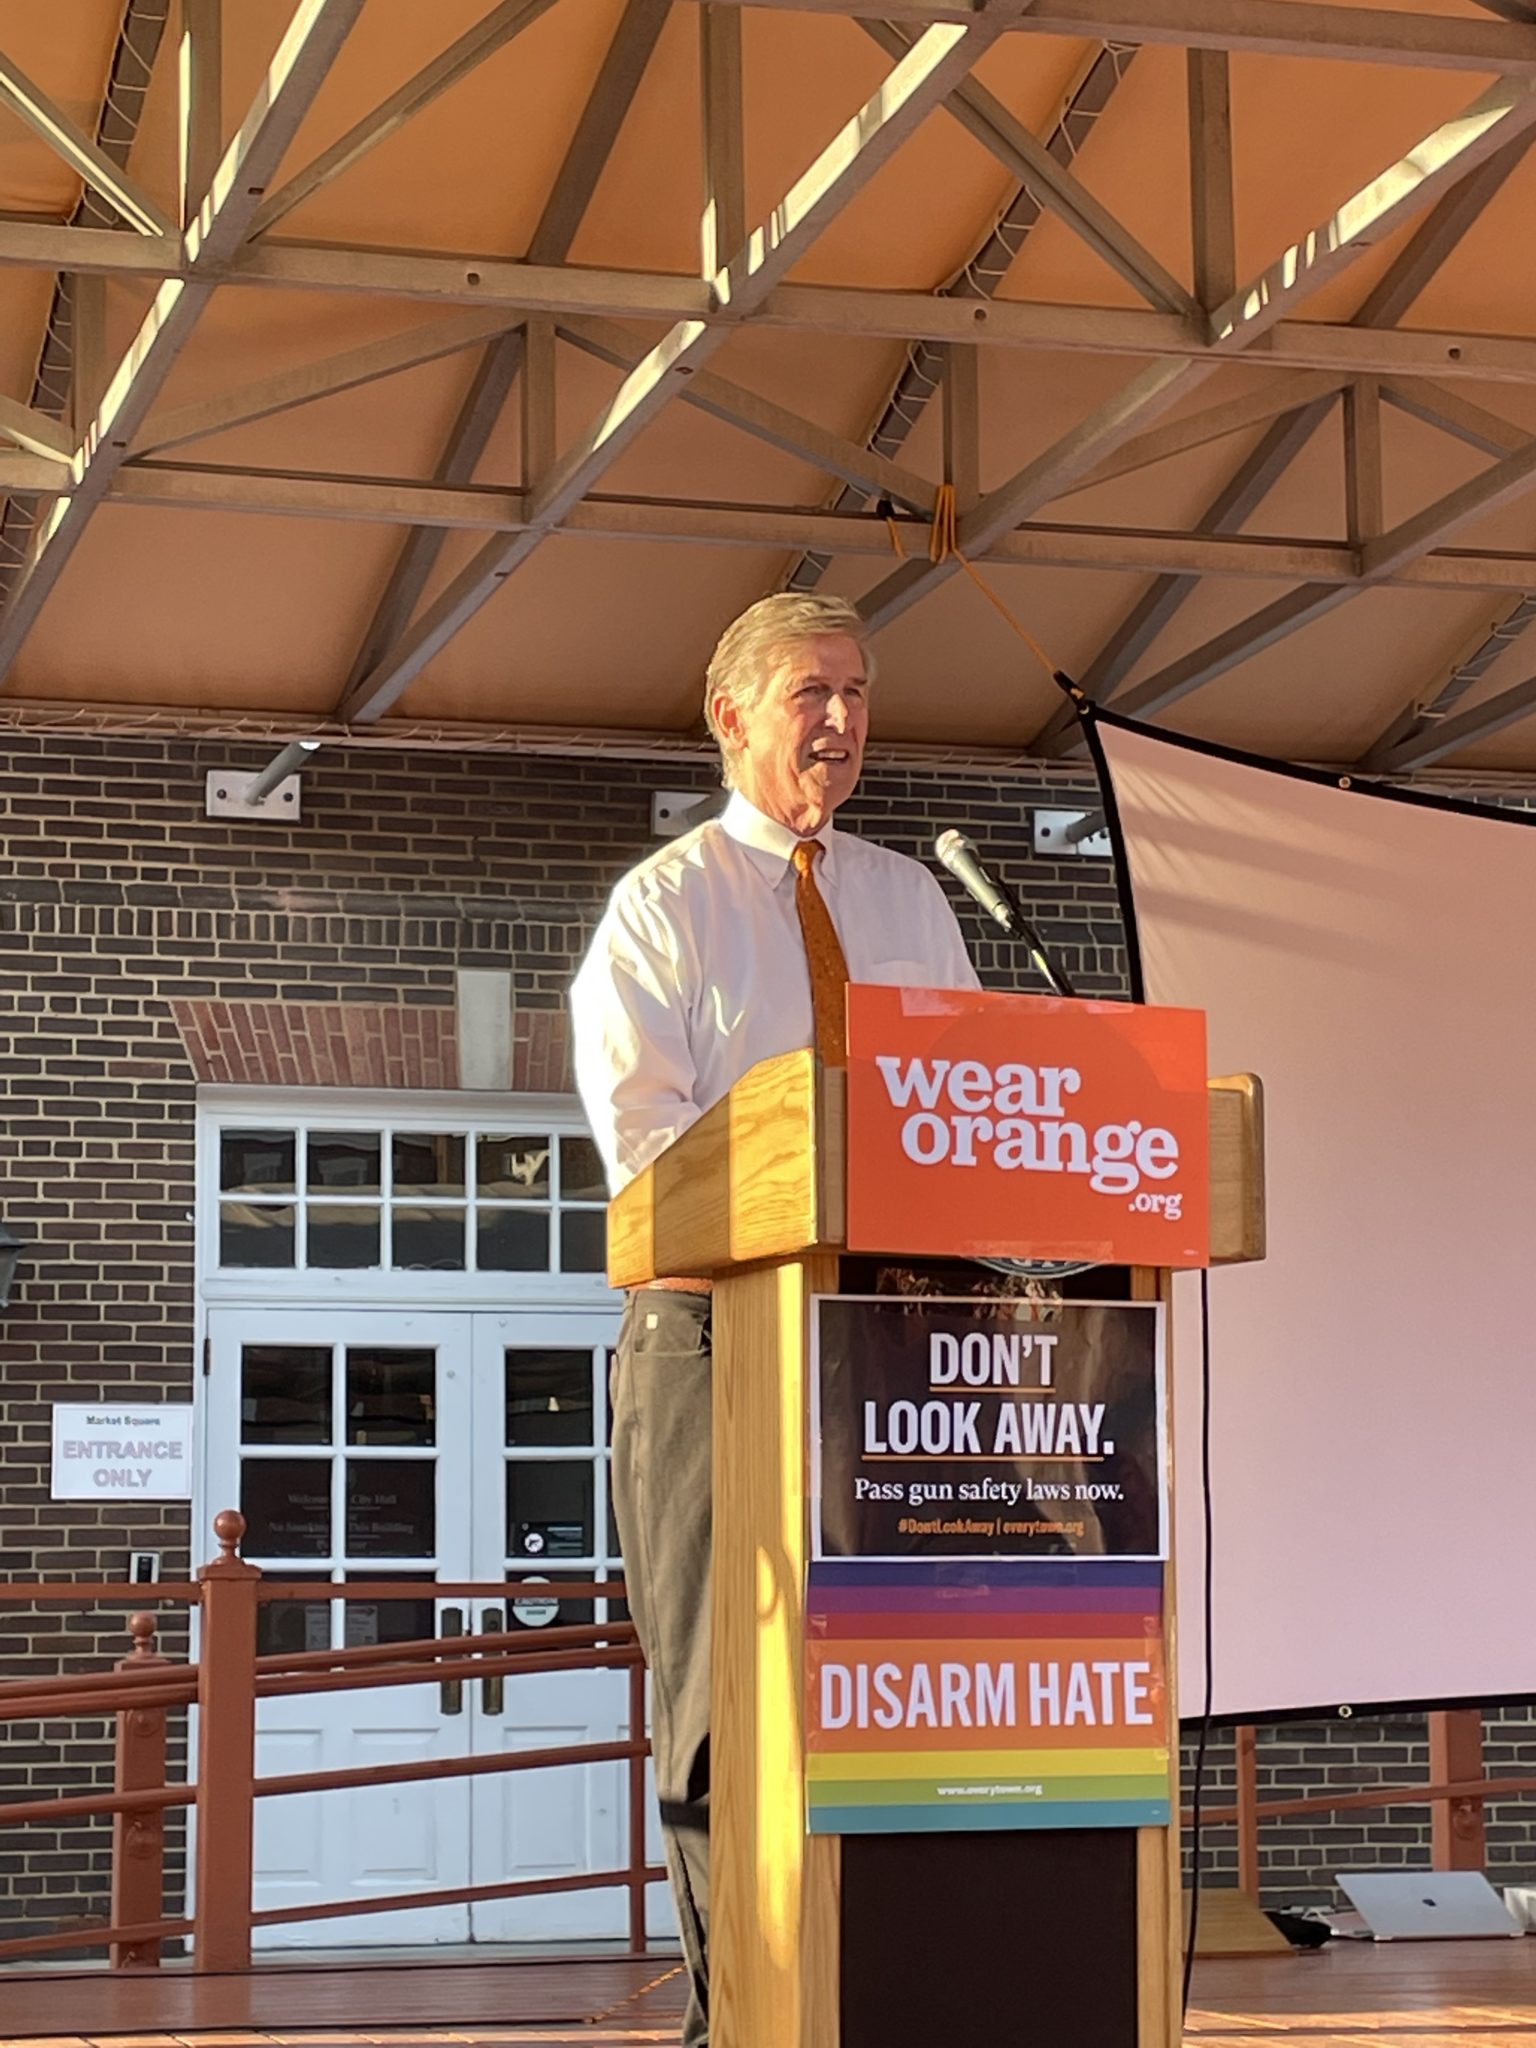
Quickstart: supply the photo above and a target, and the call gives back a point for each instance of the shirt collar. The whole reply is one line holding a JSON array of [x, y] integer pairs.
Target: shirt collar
[[771, 843]]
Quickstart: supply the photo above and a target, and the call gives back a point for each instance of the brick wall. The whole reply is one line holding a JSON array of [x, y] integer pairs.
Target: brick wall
[[135, 932]]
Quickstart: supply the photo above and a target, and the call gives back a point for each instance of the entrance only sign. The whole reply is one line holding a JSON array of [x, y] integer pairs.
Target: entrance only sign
[[994, 1126], [102, 1452]]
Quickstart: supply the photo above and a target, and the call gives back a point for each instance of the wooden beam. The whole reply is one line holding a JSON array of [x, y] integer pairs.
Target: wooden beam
[[370, 500], [34, 431], [1212, 230], [1453, 735], [1379, 558], [608, 103], [1476, 499], [200, 86], [1276, 28], [1228, 512], [1040, 481], [86, 158], [1436, 237], [1363, 516], [1452, 152], [304, 56], [1453, 414], [1239, 643], [607, 106], [766, 421], [876, 314], [983, 115], [45, 245], [962, 425], [723, 215], [462, 56], [1405, 278], [173, 426], [539, 442], [1273, 398], [32, 476], [1477, 654], [914, 87], [88, 351], [390, 501], [530, 286], [921, 375]]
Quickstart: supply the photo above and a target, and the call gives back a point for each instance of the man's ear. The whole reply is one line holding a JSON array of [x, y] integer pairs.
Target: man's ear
[[728, 721]]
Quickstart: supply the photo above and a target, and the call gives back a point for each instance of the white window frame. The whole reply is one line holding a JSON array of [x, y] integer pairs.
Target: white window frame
[[338, 1109]]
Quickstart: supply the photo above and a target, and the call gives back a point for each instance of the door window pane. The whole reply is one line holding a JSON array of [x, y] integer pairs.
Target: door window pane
[[512, 1168], [391, 1396], [257, 1162], [536, 1604], [391, 1507], [252, 1236], [581, 1172], [285, 1393], [428, 1164], [583, 1241], [513, 1241], [388, 1621], [343, 1160], [284, 1627], [429, 1240], [549, 1397], [340, 1237], [286, 1503], [549, 1509]]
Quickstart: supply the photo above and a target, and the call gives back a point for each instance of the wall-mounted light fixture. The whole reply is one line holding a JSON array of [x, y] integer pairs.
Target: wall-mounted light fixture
[[11, 1249]]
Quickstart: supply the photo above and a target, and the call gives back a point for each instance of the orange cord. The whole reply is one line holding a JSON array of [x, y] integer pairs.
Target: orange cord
[[944, 546]]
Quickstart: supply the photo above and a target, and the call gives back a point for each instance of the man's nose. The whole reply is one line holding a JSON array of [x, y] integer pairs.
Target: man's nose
[[837, 713]]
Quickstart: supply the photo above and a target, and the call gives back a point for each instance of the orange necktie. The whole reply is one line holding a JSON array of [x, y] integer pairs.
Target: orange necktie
[[824, 951]]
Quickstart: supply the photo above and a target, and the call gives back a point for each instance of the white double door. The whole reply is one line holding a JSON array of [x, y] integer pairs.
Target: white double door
[[430, 1447]]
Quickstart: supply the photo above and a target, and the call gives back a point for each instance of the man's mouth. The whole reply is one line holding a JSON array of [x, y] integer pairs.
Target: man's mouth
[[830, 755]]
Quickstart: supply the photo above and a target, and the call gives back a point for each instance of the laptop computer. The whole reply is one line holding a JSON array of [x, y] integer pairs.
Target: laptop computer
[[1426, 1905]]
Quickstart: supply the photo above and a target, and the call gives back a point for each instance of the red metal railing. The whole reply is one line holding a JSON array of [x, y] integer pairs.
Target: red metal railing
[[225, 1684], [1456, 1791]]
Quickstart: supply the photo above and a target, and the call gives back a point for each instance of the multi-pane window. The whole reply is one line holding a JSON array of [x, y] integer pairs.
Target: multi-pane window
[[487, 1200], [339, 1469], [345, 1475], [557, 1469]]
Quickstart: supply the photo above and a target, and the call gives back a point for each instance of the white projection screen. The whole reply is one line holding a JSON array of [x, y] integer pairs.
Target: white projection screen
[[1374, 1381]]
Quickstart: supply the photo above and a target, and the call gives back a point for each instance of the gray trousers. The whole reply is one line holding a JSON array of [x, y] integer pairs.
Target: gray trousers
[[661, 1500]]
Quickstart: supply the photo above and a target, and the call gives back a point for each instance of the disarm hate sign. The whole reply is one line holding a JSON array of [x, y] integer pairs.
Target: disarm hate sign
[[102, 1451], [985, 1640]]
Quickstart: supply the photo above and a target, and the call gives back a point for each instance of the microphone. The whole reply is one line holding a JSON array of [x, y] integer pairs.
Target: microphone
[[958, 854]]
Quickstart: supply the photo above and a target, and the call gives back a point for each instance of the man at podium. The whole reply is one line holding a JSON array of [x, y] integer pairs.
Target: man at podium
[[729, 945]]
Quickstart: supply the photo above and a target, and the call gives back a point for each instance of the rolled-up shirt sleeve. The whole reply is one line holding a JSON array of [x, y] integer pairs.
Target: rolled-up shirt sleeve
[[635, 1072]]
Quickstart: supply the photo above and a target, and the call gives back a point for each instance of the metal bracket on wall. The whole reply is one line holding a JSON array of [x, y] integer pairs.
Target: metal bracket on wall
[[228, 796], [675, 811], [1062, 833]]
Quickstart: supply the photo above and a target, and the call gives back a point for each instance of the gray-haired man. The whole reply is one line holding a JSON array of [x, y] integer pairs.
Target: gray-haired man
[[727, 946]]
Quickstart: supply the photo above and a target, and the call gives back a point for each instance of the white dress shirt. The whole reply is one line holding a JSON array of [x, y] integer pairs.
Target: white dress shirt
[[698, 969]]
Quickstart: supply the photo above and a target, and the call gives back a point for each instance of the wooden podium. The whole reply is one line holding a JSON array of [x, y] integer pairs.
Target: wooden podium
[[905, 1941]]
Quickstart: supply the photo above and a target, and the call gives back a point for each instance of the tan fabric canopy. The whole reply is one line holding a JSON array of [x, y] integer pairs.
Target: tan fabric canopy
[[1237, 402]]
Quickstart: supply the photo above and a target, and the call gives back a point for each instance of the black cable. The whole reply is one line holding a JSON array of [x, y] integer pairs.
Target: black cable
[[1208, 1602]]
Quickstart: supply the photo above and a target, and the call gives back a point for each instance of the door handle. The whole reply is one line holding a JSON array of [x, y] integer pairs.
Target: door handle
[[450, 1691], [492, 1690]]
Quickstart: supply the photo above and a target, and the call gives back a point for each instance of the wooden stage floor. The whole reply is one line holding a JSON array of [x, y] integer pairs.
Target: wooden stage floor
[[1474, 1994]]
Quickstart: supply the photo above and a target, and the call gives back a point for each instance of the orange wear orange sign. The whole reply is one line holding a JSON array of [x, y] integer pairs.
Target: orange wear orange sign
[[989, 1126]]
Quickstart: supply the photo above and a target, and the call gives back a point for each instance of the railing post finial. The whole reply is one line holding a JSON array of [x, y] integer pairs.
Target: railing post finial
[[229, 1527]]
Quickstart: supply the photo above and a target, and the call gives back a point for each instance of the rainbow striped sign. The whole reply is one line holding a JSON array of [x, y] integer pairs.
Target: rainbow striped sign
[[943, 1694]]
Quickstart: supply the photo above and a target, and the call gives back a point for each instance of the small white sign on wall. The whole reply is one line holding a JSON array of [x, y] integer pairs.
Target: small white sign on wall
[[104, 1451]]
